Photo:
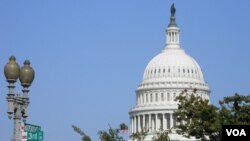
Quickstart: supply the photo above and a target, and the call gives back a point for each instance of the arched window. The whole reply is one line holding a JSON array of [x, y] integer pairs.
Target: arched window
[[156, 97], [162, 97], [151, 97], [168, 96], [142, 98]]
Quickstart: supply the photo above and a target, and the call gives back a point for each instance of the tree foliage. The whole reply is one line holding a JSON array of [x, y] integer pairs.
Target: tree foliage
[[196, 116], [235, 110], [110, 135], [162, 135], [139, 136], [79, 131], [200, 119]]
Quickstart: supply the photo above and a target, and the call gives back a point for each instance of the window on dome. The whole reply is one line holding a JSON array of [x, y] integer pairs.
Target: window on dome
[[155, 71], [174, 96], [192, 71], [156, 97], [159, 71], [179, 70], [146, 98], [151, 71], [168, 97], [142, 97], [188, 70], [169, 70], [163, 70], [151, 97], [162, 97], [183, 70]]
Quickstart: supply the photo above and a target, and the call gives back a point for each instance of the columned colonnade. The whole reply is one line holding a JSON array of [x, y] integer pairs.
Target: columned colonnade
[[152, 122]]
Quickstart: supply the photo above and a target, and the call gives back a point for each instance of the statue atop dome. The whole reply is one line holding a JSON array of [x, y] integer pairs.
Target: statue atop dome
[[172, 18], [172, 10]]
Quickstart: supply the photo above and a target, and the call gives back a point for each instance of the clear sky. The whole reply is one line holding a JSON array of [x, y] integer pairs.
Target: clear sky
[[89, 55]]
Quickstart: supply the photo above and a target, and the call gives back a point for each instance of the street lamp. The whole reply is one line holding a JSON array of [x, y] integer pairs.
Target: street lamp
[[18, 105]]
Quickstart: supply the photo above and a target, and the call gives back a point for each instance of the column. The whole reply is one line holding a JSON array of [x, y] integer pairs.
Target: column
[[139, 123], [157, 122], [134, 124], [171, 120], [131, 125], [143, 122], [153, 122], [149, 123], [164, 118]]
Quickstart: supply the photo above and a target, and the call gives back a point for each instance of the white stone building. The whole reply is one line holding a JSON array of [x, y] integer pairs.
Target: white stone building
[[165, 77]]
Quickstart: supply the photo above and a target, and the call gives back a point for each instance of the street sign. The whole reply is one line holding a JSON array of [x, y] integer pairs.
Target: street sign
[[32, 128], [35, 136], [34, 132]]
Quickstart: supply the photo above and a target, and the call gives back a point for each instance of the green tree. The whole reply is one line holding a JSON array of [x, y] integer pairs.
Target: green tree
[[139, 136], [162, 135], [111, 134], [200, 119], [196, 117], [235, 110], [79, 131]]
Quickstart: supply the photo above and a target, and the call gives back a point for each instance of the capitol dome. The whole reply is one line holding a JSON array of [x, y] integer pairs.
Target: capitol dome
[[165, 77], [173, 65]]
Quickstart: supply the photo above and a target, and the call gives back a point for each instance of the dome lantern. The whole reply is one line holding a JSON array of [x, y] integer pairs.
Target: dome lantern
[[172, 32]]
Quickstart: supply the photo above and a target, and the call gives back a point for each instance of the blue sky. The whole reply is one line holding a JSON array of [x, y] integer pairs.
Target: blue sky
[[89, 56]]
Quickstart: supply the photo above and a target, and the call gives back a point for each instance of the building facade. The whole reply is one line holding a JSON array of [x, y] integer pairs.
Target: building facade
[[167, 75]]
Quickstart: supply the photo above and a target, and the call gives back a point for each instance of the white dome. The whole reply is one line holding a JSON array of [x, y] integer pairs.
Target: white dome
[[173, 68], [173, 65]]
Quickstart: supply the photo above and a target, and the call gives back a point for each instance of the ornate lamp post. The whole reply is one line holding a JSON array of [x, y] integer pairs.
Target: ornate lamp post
[[18, 105]]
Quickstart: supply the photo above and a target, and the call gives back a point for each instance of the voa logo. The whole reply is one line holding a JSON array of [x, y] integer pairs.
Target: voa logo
[[236, 132]]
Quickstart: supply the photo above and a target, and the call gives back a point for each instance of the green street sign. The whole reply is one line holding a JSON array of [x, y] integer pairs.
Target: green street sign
[[35, 136], [32, 128], [34, 132]]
